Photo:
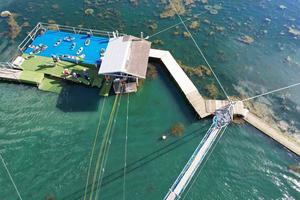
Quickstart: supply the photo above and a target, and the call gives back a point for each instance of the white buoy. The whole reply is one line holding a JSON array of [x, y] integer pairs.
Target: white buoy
[[163, 137]]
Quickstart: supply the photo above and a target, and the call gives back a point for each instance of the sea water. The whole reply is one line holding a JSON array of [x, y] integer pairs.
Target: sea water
[[46, 139]]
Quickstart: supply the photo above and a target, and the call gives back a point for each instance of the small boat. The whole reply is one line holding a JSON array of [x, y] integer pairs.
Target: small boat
[[87, 42], [58, 42], [73, 46], [79, 51], [69, 39]]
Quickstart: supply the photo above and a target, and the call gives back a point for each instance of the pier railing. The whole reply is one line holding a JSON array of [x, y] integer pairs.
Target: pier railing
[[30, 37], [71, 29], [7, 65]]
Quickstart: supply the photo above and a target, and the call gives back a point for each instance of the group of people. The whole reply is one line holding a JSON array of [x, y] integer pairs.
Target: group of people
[[76, 75]]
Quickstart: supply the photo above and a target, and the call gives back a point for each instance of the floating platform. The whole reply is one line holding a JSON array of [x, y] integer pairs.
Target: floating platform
[[51, 85], [46, 66], [20, 76], [35, 64]]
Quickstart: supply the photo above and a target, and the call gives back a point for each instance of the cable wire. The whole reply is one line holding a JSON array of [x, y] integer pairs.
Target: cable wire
[[105, 154], [170, 27], [200, 51], [125, 148], [10, 176], [272, 91], [103, 145], [204, 163], [93, 149]]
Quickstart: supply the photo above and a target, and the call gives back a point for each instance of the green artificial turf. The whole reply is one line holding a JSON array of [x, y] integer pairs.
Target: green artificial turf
[[31, 77], [51, 85], [45, 65]]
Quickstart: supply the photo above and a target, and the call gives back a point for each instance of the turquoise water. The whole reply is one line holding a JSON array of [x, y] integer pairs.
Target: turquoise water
[[46, 139]]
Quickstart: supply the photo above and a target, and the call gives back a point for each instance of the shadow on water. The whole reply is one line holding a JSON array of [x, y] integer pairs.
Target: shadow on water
[[78, 98], [174, 89], [113, 176]]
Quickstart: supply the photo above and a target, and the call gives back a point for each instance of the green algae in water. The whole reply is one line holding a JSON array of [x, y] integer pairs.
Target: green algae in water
[[51, 134]]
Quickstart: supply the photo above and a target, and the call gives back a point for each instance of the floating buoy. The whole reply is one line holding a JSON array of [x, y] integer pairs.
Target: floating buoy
[[163, 137]]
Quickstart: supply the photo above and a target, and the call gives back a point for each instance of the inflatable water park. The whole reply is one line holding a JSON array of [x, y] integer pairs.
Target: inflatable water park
[[52, 53]]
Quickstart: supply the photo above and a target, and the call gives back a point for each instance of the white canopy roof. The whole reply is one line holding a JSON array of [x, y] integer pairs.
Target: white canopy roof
[[127, 55]]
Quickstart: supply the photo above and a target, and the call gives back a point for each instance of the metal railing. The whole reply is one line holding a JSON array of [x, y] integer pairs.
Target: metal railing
[[7, 65], [70, 29], [30, 37], [79, 30]]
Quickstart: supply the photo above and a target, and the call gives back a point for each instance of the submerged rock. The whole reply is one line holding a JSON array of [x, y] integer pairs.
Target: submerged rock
[[177, 129], [186, 34], [169, 10], [151, 72], [246, 39], [14, 28], [213, 11], [195, 25], [294, 31], [282, 7], [217, 7], [212, 90], [158, 42], [89, 11], [6, 13]]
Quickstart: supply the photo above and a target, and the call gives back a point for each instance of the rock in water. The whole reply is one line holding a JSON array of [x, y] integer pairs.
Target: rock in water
[[89, 11], [246, 39], [5, 13]]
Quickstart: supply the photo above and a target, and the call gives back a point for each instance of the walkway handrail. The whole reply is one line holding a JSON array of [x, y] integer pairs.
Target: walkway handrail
[[212, 127], [6, 65], [222, 118], [79, 30], [31, 36]]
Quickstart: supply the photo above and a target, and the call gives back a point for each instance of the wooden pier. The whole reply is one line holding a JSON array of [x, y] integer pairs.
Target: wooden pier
[[206, 108], [184, 82], [10, 74], [20, 76], [276, 135]]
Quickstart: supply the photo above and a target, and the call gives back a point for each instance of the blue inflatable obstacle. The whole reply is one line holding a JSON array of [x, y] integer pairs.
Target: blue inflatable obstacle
[[63, 43]]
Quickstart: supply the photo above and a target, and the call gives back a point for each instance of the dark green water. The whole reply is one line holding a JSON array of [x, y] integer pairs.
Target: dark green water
[[46, 139]]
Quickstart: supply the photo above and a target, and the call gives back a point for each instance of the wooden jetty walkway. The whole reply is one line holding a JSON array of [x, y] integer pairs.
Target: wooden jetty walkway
[[10, 74], [185, 84], [206, 108], [20, 76], [283, 139]]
